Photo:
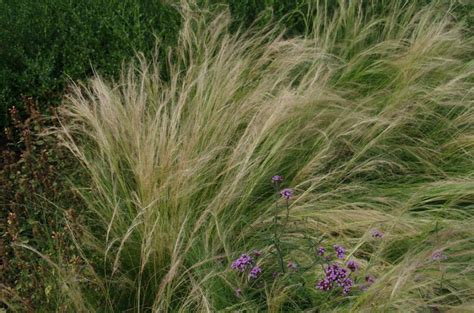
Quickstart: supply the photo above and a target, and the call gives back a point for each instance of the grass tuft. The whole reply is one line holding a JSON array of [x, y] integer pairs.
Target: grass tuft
[[369, 117]]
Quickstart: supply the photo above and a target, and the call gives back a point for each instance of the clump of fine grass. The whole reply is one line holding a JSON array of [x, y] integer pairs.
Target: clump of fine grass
[[369, 118]]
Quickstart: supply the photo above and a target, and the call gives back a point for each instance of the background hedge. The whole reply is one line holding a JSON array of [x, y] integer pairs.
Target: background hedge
[[44, 44]]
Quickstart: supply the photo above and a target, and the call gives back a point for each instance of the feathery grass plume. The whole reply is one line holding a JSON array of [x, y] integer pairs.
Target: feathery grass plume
[[369, 117]]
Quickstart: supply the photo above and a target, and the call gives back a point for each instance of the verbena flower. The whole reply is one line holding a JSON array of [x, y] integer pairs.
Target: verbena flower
[[256, 253], [438, 255], [238, 292], [352, 265], [346, 285], [335, 272], [275, 275], [321, 251], [324, 285], [377, 233], [287, 193], [336, 275], [340, 252], [292, 266], [255, 272], [369, 279], [277, 179], [243, 262]]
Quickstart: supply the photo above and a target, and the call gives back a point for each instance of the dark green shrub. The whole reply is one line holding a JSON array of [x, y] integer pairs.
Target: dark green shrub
[[43, 44]]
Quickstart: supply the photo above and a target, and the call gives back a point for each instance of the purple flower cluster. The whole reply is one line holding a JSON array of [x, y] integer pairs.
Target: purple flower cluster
[[336, 276], [287, 193], [352, 265], [292, 266], [377, 233], [324, 285], [340, 252], [238, 292], [321, 251], [369, 281], [277, 179], [255, 272], [438, 255], [346, 285], [245, 262], [242, 263], [335, 272]]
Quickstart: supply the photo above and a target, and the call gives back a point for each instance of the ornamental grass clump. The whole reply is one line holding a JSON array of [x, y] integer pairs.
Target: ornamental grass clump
[[370, 117]]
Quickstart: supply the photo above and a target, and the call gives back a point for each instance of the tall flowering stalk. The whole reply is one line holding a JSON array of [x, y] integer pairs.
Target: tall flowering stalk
[[276, 180], [287, 193]]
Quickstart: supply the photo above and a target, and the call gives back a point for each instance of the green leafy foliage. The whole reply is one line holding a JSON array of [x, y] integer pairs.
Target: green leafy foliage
[[32, 188], [45, 44]]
